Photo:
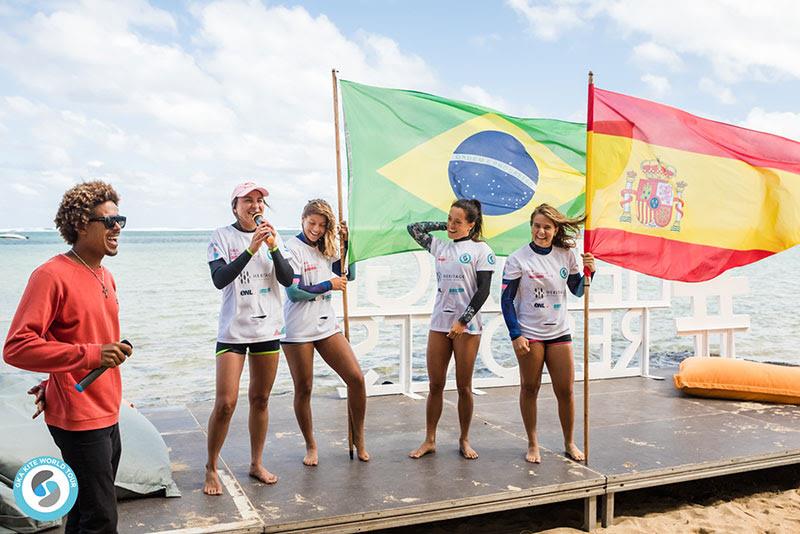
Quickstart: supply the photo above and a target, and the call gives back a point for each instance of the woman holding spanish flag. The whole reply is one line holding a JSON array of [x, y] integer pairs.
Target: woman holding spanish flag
[[534, 303]]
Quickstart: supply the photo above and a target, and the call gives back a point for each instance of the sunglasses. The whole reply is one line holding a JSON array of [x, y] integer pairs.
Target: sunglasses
[[110, 221]]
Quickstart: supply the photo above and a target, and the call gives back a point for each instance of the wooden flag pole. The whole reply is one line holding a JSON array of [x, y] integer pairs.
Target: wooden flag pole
[[587, 280], [342, 249]]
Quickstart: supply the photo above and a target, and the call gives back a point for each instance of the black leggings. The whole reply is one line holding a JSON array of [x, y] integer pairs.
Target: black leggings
[[94, 457]]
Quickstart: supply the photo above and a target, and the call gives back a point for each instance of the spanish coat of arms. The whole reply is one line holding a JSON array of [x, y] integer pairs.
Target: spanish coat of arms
[[654, 197]]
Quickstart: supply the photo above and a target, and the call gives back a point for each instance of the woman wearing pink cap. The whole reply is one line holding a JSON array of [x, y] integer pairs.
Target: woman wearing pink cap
[[247, 265]]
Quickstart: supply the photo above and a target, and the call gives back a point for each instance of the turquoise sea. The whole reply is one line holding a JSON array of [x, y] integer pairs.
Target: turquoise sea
[[169, 311]]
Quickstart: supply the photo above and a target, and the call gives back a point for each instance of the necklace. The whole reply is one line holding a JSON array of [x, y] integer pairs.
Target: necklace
[[99, 279]]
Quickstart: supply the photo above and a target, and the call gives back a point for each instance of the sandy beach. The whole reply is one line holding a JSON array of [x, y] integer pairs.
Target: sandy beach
[[760, 502]]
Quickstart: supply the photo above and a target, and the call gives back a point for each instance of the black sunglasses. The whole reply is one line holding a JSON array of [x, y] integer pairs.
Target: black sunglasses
[[111, 220]]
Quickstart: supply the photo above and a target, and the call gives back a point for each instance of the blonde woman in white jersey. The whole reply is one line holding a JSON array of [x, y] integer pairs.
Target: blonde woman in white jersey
[[247, 265], [311, 323], [464, 266], [534, 302]]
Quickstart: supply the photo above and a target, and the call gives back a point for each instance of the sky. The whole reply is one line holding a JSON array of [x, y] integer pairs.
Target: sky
[[175, 102]]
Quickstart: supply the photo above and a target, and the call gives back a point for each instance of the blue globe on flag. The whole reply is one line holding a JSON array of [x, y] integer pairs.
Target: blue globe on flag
[[494, 168]]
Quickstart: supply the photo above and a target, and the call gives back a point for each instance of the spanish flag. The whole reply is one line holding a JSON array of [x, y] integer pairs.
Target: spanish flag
[[679, 197], [411, 154]]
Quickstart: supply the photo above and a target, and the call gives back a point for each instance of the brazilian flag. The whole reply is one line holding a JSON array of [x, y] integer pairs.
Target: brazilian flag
[[411, 154]]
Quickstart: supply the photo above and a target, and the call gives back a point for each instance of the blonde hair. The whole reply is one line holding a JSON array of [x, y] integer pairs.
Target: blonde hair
[[567, 229], [328, 244], [77, 206]]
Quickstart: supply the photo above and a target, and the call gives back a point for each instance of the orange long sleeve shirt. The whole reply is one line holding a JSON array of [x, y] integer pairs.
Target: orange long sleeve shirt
[[61, 323]]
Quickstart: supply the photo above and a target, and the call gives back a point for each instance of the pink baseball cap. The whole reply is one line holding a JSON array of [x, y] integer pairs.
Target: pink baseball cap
[[246, 187]]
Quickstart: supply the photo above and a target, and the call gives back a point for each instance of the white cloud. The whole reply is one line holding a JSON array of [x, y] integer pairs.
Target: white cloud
[[549, 21], [739, 37], [649, 53], [720, 92], [658, 85], [785, 123], [112, 90], [478, 95]]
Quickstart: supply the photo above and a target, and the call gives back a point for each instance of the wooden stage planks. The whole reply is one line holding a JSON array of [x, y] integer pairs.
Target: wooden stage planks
[[644, 433]]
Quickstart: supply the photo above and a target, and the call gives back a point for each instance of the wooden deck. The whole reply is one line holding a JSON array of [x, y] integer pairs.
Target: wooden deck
[[644, 433]]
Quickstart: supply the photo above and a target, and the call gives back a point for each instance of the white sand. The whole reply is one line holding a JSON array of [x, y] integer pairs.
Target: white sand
[[772, 512]]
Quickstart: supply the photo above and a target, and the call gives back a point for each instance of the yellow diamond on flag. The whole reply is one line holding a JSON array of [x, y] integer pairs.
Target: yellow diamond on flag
[[424, 172]]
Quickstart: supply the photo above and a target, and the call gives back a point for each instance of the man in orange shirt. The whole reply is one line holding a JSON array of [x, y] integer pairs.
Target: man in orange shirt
[[66, 324]]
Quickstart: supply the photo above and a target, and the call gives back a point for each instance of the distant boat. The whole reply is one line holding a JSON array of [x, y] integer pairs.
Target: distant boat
[[13, 236]]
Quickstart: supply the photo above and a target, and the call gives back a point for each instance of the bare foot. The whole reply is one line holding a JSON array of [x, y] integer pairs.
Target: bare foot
[[259, 472], [311, 458], [427, 447], [361, 451], [573, 452], [533, 456], [212, 485], [466, 451]]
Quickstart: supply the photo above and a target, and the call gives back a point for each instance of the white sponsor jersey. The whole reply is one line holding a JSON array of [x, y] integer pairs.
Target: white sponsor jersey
[[457, 264], [309, 320], [251, 305], [541, 300]]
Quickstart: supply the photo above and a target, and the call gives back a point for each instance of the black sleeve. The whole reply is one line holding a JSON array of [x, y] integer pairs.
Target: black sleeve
[[223, 273], [421, 232], [480, 296], [283, 270], [337, 266], [575, 283]]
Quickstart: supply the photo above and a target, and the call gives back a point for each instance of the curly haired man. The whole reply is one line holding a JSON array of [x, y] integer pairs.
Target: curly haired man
[[66, 324]]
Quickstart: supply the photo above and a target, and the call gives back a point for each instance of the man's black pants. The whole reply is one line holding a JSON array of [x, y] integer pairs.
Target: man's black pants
[[94, 457]]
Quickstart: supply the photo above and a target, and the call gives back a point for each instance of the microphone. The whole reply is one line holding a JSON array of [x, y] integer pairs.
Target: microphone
[[94, 373], [258, 219]]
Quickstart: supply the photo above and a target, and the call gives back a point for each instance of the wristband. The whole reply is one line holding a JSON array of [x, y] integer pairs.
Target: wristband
[[250, 251]]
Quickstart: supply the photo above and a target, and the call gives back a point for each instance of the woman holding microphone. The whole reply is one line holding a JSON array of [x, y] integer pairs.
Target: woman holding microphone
[[247, 265]]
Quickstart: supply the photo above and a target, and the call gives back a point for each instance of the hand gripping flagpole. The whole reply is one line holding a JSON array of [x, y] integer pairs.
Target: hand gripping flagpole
[[587, 278], [342, 249]]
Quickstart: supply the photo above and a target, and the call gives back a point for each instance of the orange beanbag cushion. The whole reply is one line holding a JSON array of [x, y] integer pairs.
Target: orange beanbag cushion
[[738, 379]]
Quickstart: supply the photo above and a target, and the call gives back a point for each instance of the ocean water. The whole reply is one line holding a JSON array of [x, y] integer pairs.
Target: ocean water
[[169, 310]]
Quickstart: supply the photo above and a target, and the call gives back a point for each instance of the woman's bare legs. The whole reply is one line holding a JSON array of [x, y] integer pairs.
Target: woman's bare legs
[[263, 368], [465, 348], [229, 372], [300, 357], [440, 348], [337, 352], [530, 379], [561, 366]]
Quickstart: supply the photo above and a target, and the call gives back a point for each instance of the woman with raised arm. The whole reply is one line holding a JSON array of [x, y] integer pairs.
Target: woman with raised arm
[[534, 302], [311, 323], [464, 266], [247, 265]]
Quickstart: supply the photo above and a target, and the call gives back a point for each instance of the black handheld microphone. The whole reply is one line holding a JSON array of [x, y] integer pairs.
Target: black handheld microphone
[[94, 373], [258, 220]]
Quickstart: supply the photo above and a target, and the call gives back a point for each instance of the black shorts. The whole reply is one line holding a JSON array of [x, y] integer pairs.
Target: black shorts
[[272, 346], [566, 338]]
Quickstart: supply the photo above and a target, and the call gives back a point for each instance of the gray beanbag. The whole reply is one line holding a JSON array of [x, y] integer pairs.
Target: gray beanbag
[[144, 468]]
